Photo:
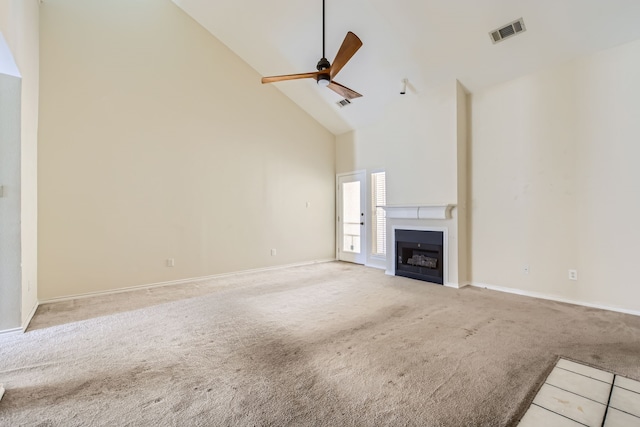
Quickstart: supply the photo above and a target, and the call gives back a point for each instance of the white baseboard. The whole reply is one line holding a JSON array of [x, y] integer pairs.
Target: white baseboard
[[457, 285], [32, 313], [178, 282], [448, 284], [25, 324], [1, 391], [10, 331], [554, 298], [380, 263]]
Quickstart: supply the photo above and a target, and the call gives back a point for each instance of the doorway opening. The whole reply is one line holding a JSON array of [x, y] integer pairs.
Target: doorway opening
[[351, 232]]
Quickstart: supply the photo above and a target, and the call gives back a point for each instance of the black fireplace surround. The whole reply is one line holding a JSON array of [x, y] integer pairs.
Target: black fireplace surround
[[420, 254]]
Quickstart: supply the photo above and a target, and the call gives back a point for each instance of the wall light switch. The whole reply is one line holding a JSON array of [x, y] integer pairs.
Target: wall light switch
[[273, 252], [171, 262]]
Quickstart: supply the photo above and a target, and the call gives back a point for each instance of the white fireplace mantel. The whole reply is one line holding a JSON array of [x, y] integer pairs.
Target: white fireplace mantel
[[419, 212]]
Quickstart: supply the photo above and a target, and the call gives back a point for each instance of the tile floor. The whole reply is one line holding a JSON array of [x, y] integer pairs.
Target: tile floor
[[578, 395]]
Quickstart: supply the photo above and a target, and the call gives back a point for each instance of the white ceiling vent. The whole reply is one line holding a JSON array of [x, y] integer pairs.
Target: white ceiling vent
[[343, 103], [509, 30]]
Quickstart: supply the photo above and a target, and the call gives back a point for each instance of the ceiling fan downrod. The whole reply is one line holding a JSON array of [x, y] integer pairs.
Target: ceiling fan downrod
[[323, 64], [323, 28]]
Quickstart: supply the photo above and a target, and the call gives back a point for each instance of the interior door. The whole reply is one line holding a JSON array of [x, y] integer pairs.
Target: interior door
[[351, 230]]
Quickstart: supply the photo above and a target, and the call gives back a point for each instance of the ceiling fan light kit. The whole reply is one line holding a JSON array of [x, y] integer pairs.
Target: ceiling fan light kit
[[327, 71], [324, 80]]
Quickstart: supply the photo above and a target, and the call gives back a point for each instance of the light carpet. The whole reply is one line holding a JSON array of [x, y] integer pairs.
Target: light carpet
[[330, 344]]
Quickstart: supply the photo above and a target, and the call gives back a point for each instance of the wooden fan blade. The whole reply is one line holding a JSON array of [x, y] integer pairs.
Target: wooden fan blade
[[349, 47], [343, 90], [272, 79]]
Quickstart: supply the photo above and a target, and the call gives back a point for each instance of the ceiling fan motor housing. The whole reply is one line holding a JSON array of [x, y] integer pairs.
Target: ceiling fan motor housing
[[323, 64]]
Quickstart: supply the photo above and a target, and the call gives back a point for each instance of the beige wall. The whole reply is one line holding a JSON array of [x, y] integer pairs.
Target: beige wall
[[158, 142], [555, 181], [462, 188], [19, 21]]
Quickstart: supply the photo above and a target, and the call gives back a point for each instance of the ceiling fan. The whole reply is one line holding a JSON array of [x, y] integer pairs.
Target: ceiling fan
[[327, 71]]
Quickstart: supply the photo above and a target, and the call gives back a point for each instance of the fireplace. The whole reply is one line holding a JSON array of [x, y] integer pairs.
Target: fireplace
[[420, 255]]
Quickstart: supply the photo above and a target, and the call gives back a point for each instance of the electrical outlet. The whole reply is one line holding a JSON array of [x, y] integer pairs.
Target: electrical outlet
[[171, 262], [273, 252], [525, 269], [573, 274]]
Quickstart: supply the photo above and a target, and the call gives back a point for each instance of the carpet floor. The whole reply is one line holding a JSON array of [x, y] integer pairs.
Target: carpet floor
[[330, 344]]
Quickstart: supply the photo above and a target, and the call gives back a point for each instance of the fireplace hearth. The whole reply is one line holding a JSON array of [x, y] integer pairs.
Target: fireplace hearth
[[420, 255]]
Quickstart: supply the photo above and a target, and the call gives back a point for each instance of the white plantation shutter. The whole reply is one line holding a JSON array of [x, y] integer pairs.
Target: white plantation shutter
[[379, 199]]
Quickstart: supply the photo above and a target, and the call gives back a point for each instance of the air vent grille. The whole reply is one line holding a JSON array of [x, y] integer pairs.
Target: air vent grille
[[343, 103], [517, 26], [506, 31]]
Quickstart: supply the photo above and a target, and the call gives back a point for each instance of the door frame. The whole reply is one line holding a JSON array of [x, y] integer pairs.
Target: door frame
[[364, 237]]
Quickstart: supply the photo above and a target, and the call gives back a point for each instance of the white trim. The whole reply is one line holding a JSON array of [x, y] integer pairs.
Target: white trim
[[364, 237], [456, 285], [445, 248], [10, 331], [418, 212], [179, 282], [533, 294], [377, 262], [435, 212], [401, 212], [26, 322], [364, 171], [452, 285]]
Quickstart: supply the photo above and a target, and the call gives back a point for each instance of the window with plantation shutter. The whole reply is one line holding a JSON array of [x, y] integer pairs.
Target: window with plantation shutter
[[379, 199]]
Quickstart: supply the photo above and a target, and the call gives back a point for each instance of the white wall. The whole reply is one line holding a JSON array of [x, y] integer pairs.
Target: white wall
[[421, 143], [415, 143], [19, 22], [158, 142], [10, 272], [555, 181]]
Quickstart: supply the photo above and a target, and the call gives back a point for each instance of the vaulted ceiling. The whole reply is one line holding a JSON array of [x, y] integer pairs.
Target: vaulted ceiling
[[428, 42]]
